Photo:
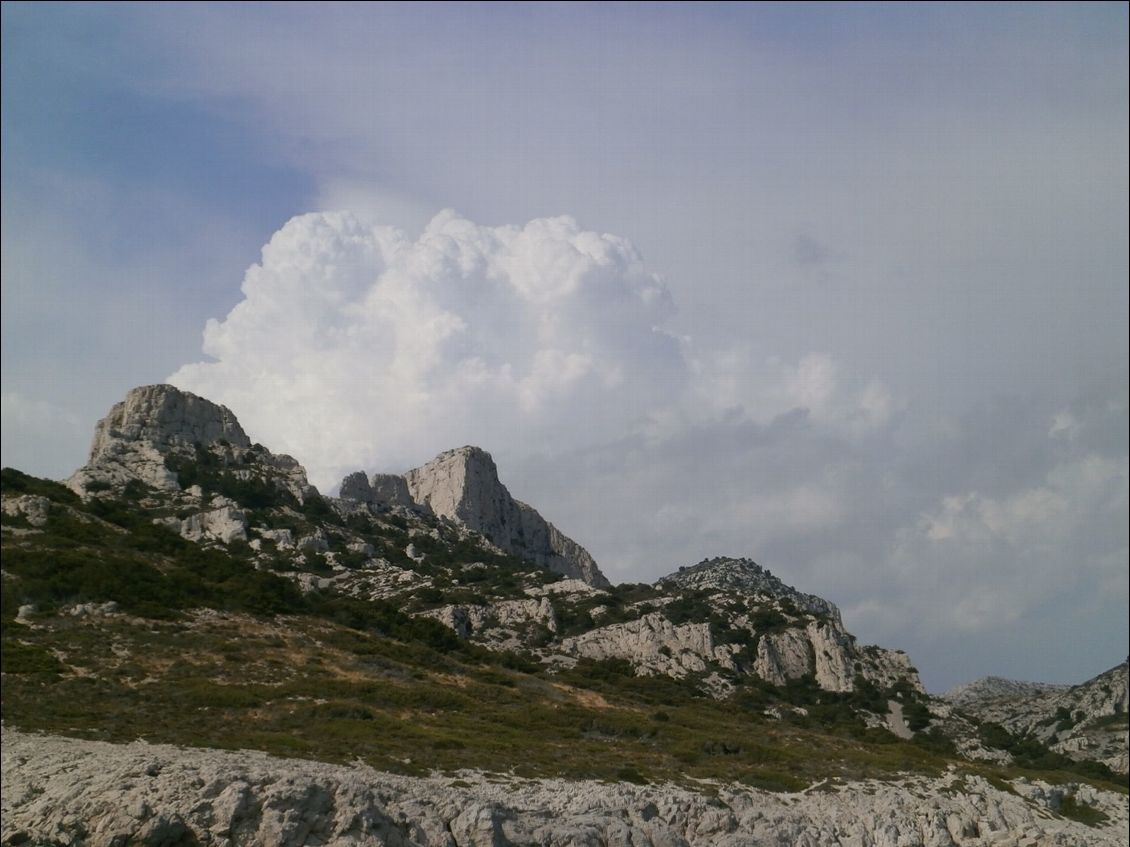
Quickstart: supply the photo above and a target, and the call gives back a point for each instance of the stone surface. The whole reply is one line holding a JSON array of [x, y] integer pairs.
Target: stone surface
[[653, 645], [225, 524], [131, 442], [31, 507], [499, 625], [66, 791], [165, 416]]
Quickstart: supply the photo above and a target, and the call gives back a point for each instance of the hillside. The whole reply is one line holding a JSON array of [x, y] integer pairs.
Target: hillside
[[189, 587], [1085, 722]]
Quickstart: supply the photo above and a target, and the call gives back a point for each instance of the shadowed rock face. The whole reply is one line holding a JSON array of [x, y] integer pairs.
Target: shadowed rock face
[[382, 490], [463, 485]]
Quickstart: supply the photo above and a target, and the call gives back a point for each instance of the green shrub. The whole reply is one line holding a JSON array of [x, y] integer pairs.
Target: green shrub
[[16, 657], [13, 481], [631, 774]]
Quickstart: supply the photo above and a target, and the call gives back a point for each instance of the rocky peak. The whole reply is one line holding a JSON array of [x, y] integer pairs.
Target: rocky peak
[[463, 486], [745, 576], [165, 416], [157, 426]]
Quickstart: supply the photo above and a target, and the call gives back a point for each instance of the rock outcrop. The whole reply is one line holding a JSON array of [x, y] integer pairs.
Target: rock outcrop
[[66, 791], [225, 523], [500, 625], [463, 486], [653, 645], [746, 621], [1086, 721], [131, 442], [746, 577], [156, 423], [382, 490]]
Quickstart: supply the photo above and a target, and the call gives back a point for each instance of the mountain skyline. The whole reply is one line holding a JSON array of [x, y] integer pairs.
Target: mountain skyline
[[841, 289]]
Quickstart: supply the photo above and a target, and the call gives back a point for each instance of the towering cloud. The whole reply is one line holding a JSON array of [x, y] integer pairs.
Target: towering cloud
[[358, 342]]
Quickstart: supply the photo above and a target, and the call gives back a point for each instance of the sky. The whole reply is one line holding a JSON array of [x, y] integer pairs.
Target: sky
[[841, 288]]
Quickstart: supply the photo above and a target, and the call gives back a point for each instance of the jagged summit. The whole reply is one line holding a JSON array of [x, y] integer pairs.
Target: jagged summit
[[383, 490], [462, 485], [745, 576]]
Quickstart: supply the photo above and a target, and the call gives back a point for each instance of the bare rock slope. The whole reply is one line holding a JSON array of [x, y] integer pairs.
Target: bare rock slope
[[66, 791]]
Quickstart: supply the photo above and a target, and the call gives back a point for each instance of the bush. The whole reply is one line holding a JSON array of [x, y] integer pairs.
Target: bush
[[16, 657], [13, 481]]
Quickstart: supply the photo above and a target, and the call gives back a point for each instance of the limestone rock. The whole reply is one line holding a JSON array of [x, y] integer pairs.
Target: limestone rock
[[653, 645], [33, 508], [498, 624], [158, 794], [782, 656], [155, 422], [744, 576], [463, 485], [132, 440], [164, 416], [282, 538], [575, 587], [225, 524]]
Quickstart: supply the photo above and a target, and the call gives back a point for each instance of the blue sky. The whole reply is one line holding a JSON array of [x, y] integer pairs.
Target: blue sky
[[841, 287]]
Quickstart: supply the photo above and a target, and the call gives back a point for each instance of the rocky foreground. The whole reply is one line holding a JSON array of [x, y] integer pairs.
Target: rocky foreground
[[67, 791]]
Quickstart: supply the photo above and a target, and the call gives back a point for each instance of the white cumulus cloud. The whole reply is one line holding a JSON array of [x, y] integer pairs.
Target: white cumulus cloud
[[357, 345]]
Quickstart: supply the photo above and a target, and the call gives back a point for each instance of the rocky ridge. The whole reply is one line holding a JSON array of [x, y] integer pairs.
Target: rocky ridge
[[434, 545], [1086, 721], [463, 486], [155, 795], [723, 574]]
